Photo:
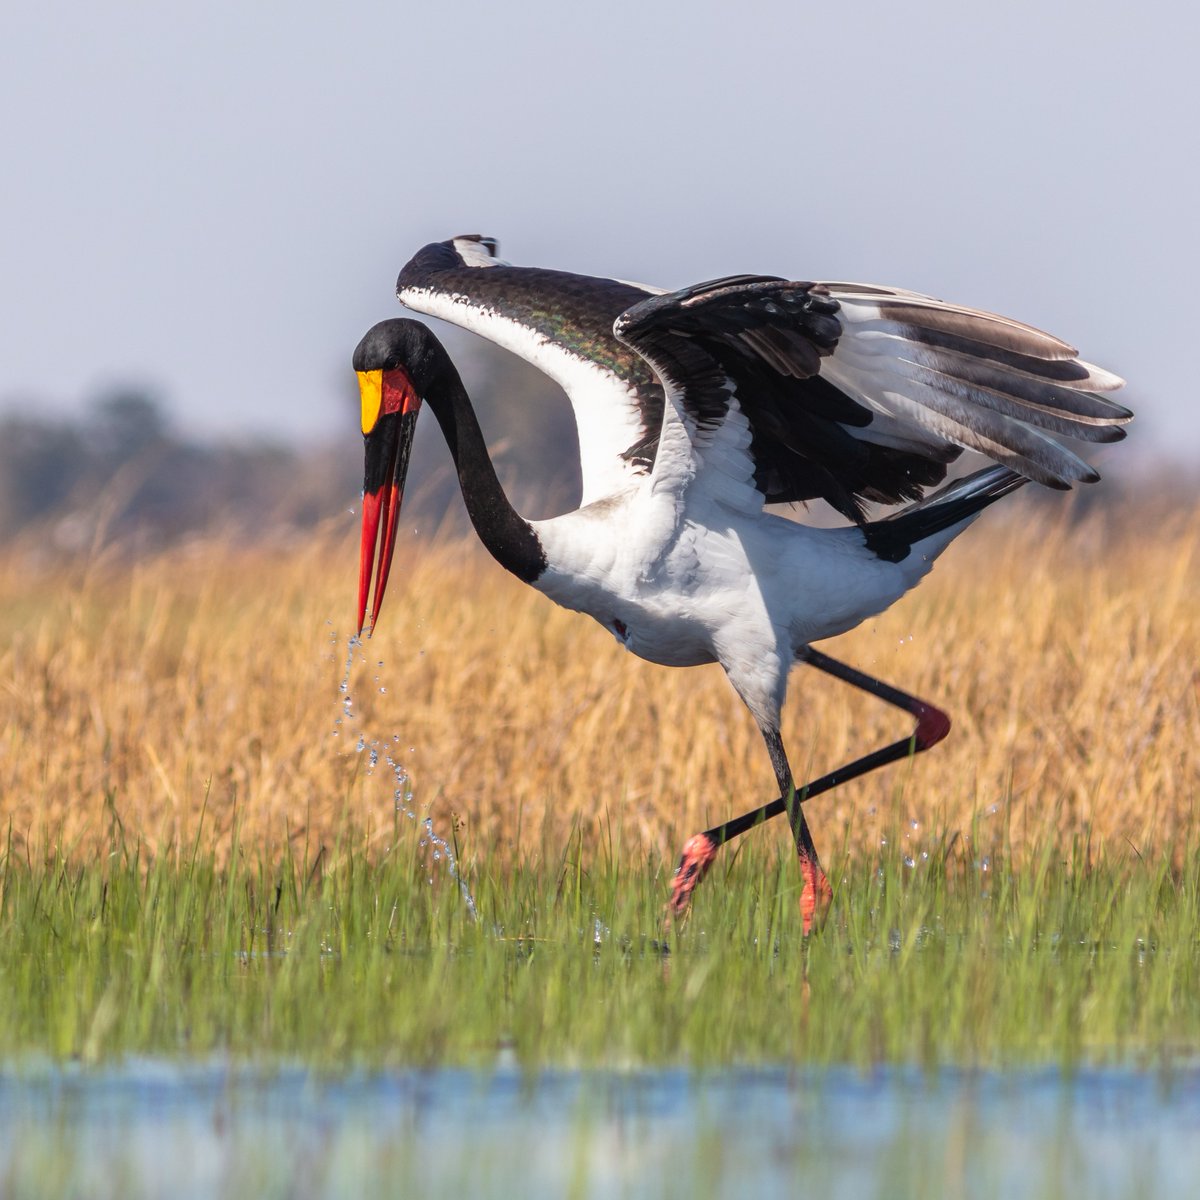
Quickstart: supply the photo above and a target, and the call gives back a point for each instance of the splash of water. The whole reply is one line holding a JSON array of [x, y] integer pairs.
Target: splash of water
[[402, 795]]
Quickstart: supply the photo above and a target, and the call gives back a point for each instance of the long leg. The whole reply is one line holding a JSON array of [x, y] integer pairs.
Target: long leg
[[932, 726], [816, 894]]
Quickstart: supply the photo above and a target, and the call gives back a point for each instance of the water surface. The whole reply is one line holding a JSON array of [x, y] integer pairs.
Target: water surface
[[154, 1128]]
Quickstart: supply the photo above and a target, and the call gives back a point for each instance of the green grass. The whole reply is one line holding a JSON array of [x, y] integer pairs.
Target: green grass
[[343, 960]]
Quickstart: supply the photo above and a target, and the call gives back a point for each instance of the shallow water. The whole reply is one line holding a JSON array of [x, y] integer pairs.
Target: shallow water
[[153, 1128]]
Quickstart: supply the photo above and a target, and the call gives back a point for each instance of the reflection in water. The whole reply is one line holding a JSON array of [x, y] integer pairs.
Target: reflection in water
[[152, 1128]]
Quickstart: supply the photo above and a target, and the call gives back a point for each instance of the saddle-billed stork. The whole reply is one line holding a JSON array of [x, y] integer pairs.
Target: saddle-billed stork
[[695, 409]]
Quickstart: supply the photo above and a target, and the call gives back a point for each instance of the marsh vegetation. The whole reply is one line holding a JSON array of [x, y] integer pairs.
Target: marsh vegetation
[[208, 856]]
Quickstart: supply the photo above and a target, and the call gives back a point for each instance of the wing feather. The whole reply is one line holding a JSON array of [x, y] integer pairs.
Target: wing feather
[[561, 324], [820, 369]]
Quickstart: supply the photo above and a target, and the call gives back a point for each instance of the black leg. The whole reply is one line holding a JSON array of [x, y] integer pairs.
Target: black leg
[[816, 894], [932, 726], [787, 790]]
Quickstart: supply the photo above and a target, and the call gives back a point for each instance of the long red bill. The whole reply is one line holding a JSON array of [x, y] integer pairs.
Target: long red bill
[[387, 450], [376, 511]]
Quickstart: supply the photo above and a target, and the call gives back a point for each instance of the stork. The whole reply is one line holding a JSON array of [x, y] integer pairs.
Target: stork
[[695, 410]]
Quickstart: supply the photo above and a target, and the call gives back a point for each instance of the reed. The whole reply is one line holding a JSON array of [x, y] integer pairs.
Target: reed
[[364, 964], [207, 848], [190, 694]]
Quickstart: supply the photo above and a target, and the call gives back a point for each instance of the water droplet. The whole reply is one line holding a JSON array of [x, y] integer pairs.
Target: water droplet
[[402, 792], [908, 861]]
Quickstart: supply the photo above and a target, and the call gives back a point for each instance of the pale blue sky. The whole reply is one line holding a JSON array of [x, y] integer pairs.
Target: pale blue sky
[[216, 198]]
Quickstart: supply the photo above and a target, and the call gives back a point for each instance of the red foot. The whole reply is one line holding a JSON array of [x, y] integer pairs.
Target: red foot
[[698, 854], [817, 895]]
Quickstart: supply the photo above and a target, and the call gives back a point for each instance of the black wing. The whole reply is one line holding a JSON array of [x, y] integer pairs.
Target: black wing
[[857, 393]]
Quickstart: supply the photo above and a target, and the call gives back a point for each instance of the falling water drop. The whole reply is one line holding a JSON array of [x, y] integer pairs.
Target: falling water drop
[[402, 795]]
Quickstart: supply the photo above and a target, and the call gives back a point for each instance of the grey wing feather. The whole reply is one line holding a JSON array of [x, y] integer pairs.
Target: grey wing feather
[[973, 379]]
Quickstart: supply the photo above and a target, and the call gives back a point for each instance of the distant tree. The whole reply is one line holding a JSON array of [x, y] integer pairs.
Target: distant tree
[[121, 470], [41, 461], [126, 423]]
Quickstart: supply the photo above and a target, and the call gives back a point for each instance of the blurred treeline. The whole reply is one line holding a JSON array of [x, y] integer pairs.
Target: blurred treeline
[[122, 471]]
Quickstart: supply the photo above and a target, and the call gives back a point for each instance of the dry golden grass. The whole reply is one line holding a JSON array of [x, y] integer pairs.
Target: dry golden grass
[[207, 680]]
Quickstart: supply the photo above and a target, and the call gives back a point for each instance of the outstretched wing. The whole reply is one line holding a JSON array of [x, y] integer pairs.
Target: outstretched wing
[[855, 392], [560, 323]]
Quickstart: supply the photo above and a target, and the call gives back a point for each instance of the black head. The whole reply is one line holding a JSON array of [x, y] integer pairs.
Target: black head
[[395, 362], [399, 344]]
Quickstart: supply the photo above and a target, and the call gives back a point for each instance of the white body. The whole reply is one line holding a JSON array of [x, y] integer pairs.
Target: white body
[[682, 578]]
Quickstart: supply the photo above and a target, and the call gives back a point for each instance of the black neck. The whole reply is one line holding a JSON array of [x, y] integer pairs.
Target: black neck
[[505, 534]]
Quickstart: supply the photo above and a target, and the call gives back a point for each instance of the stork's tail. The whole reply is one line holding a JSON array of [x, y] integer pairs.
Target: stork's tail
[[893, 538]]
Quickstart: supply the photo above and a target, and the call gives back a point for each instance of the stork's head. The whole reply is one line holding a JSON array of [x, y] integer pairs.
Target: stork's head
[[393, 361]]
